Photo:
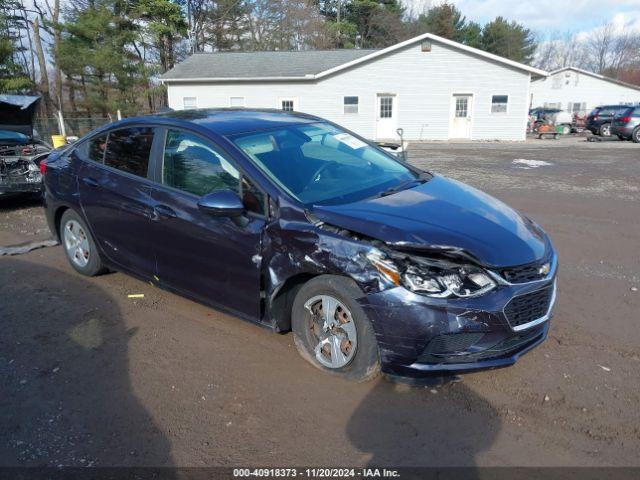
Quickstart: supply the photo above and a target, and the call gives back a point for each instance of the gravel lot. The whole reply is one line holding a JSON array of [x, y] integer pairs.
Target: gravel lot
[[91, 377]]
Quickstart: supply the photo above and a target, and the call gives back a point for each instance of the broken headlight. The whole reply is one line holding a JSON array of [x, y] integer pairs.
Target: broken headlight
[[434, 280]]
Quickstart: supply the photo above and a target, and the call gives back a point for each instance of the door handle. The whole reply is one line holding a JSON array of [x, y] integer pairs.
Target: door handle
[[163, 212], [91, 182]]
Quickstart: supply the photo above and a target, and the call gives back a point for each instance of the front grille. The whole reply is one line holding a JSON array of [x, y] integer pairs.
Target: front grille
[[529, 307], [525, 273], [452, 342]]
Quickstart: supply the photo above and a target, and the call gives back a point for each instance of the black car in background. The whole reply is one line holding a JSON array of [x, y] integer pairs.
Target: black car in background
[[626, 124], [600, 119]]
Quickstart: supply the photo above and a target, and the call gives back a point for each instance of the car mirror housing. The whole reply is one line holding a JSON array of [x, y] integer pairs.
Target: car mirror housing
[[222, 203]]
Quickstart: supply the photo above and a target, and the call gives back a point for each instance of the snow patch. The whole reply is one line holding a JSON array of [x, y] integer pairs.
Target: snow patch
[[528, 164]]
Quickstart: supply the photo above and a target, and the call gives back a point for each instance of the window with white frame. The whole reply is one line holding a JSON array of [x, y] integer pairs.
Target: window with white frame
[[386, 107], [287, 104], [351, 104], [499, 103], [189, 103], [577, 107], [236, 101]]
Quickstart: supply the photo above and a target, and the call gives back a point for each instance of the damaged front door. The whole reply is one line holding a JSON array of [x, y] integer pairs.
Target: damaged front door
[[210, 257]]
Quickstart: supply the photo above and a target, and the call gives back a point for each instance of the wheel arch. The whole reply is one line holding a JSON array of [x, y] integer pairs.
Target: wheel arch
[[57, 218], [281, 303]]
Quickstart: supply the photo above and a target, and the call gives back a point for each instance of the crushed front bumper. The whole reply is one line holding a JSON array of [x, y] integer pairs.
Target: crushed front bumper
[[419, 336], [27, 181], [20, 187]]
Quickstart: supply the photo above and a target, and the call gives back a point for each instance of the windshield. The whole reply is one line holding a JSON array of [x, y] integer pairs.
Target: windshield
[[323, 165], [9, 135]]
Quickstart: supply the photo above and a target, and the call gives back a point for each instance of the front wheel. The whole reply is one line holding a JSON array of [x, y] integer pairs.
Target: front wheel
[[332, 331], [79, 245], [635, 136]]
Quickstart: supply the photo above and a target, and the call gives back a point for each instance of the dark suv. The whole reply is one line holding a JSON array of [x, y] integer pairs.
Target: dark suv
[[294, 223], [626, 124], [600, 119]]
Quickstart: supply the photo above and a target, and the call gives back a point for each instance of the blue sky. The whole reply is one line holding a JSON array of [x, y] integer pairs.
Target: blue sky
[[547, 16]]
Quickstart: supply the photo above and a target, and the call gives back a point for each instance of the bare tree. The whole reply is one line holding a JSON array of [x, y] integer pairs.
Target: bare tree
[[561, 50], [612, 50]]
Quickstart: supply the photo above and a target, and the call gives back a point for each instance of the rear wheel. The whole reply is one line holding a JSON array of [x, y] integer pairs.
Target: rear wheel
[[79, 245], [566, 129], [605, 130], [635, 136], [332, 331]]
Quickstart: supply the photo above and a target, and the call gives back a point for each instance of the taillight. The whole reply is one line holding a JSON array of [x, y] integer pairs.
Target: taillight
[[596, 116], [624, 119], [43, 166]]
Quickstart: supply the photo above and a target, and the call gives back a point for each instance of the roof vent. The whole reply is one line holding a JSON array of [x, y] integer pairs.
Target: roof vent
[[426, 46]]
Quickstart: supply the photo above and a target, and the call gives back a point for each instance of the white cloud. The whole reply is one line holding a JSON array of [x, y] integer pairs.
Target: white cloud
[[547, 15]]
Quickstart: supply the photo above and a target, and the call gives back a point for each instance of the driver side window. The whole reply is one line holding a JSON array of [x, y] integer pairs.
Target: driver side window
[[192, 165]]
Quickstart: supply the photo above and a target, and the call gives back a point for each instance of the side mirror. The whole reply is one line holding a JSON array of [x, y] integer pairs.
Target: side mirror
[[222, 203]]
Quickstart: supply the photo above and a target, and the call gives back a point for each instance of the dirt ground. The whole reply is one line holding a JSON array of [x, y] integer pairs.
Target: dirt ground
[[91, 377]]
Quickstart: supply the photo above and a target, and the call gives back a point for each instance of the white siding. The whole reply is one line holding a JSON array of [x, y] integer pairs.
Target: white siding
[[571, 86], [424, 83]]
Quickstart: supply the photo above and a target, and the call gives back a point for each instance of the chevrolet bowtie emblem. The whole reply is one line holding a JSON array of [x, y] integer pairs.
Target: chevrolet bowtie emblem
[[545, 269]]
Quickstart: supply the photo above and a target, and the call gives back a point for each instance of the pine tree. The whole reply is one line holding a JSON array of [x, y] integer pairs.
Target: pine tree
[[13, 77], [509, 39]]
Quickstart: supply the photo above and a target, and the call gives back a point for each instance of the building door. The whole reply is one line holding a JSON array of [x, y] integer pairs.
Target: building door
[[386, 116], [461, 111]]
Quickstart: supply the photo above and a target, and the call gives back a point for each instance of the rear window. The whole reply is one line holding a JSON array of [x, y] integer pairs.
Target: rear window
[[128, 150], [93, 149]]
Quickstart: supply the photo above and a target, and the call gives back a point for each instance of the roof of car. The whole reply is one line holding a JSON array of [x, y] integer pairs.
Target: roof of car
[[231, 121]]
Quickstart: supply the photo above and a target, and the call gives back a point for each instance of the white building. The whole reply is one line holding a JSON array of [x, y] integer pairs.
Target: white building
[[434, 88], [580, 91]]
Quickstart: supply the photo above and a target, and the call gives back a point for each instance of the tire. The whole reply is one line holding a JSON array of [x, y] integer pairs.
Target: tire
[[635, 135], [566, 129], [358, 358], [605, 130], [79, 246]]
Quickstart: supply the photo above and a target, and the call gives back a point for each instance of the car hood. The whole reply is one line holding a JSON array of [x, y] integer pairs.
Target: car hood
[[17, 113], [443, 214]]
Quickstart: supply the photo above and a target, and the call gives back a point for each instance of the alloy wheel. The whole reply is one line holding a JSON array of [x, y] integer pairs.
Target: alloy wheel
[[332, 330], [76, 243]]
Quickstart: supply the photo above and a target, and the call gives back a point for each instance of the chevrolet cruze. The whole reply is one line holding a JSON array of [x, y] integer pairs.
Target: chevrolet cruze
[[292, 222]]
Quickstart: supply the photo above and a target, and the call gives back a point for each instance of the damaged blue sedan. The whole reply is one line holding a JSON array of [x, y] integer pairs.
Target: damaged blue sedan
[[292, 222]]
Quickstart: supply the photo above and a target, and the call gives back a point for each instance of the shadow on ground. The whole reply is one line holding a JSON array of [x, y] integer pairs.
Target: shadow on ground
[[66, 398], [403, 426], [19, 201]]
